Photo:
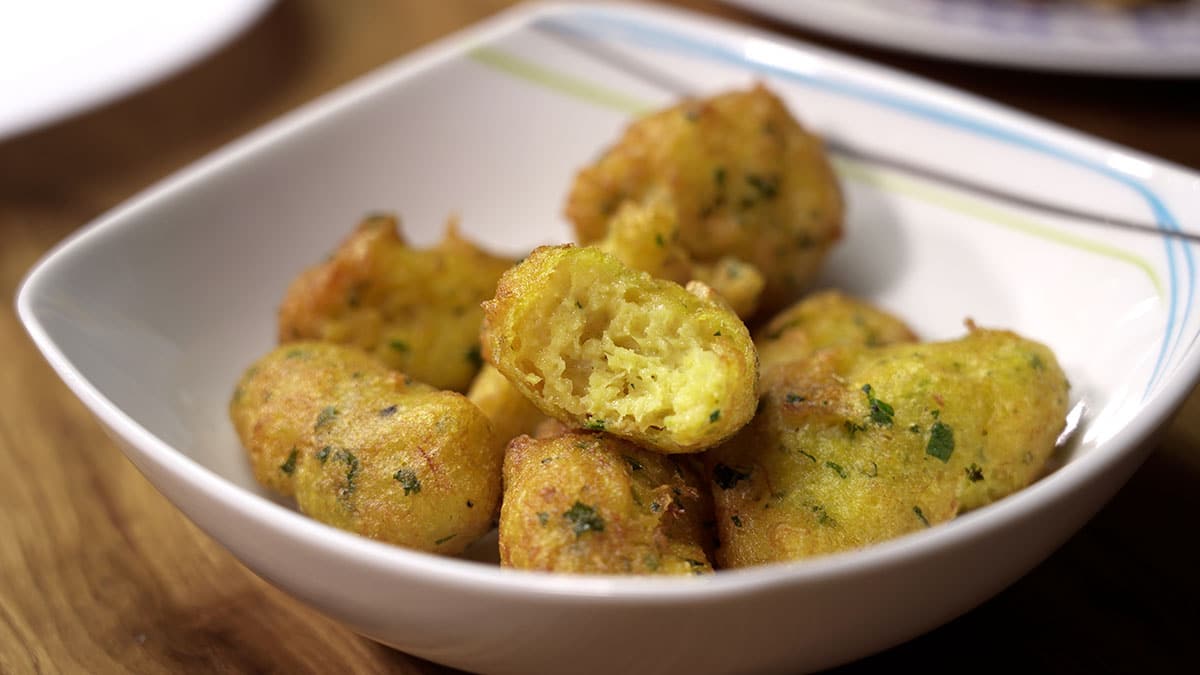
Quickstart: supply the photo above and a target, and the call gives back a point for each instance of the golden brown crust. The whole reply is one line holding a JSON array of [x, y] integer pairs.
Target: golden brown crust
[[367, 449], [415, 310], [824, 319], [856, 445], [598, 345], [745, 179], [593, 504]]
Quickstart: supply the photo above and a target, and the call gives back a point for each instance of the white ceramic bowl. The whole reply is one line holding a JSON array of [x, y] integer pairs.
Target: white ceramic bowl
[[150, 314]]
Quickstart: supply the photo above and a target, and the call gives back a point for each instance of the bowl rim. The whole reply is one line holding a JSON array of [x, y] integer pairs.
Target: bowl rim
[[287, 523]]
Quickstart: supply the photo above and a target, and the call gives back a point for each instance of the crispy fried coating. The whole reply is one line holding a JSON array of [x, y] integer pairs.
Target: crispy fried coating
[[416, 310], [826, 319], [646, 237], [367, 449], [591, 503], [746, 181], [510, 413], [856, 445], [601, 346]]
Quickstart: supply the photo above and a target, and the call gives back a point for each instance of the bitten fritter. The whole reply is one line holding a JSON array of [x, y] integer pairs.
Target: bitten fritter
[[746, 181], [646, 237], [593, 504], [510, 413], [367, 449], [856, 445], [416, 310], [826, 319], [601, 346]]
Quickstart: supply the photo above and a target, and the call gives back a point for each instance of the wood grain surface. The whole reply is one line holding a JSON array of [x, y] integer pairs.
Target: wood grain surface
[[100, 574]]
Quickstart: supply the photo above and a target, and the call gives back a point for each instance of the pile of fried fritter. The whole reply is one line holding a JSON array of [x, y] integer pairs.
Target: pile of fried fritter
[[620, 416]]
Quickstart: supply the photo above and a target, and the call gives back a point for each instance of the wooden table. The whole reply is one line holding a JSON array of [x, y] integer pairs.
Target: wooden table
[[98, 573]]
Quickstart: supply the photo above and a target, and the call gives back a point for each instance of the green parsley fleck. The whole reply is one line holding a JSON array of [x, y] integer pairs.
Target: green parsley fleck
[[736, 519], [578, 304], [583, 518], [398, 345], [717, 334], [714, 415], [837, 468], [920, 515], [408, 480], [1035, 362], [974, 473], [719, 176], [916, 428], [388, 411], [881, 413], [543, 517], [595, 425], [325, 417], [634, 465], [941, 441], [289, 466], [658, 239], [811, 458], [767, 187], [323, 454], [795, 398], [444, 539], [854, 427], [352, 467], [294, 354], [823, 518], [726, 477]]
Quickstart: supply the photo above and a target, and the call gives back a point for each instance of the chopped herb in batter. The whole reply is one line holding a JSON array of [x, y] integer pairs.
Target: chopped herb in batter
[[583, 518], [920, 515], [941, 441], [444, 539], [325, 417], [388, 411], [714, 415], [323, 454], [974, 473], [408, 480], [881, 412], [837, 468], [633, 463], [289, 466], [398, 345]]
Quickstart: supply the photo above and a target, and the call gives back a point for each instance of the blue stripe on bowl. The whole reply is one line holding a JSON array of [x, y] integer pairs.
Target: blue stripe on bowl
[[598, 22]]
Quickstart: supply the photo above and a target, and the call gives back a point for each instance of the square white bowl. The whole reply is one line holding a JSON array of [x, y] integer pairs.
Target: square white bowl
[[957, 208]]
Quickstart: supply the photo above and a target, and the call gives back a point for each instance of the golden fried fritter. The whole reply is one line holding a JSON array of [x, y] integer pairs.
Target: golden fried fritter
[[510, 413], [826, 319], [367, 449], [601, 346], [416, 310], [646, 237], [856, 445], [745, 179], [594, 504]]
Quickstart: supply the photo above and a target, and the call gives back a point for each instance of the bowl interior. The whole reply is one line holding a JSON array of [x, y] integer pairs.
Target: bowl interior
[[160, 306]]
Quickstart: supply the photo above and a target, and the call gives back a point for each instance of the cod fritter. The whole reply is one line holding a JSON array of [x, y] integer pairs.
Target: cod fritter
[[368, 449], [416, 310], [601, 346], [646, 237], [826, 319], [593, 504], [746, 181], [856, 445]]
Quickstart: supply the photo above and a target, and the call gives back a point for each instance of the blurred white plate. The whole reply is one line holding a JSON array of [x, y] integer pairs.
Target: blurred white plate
[[61, 57], [1161, 40]]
